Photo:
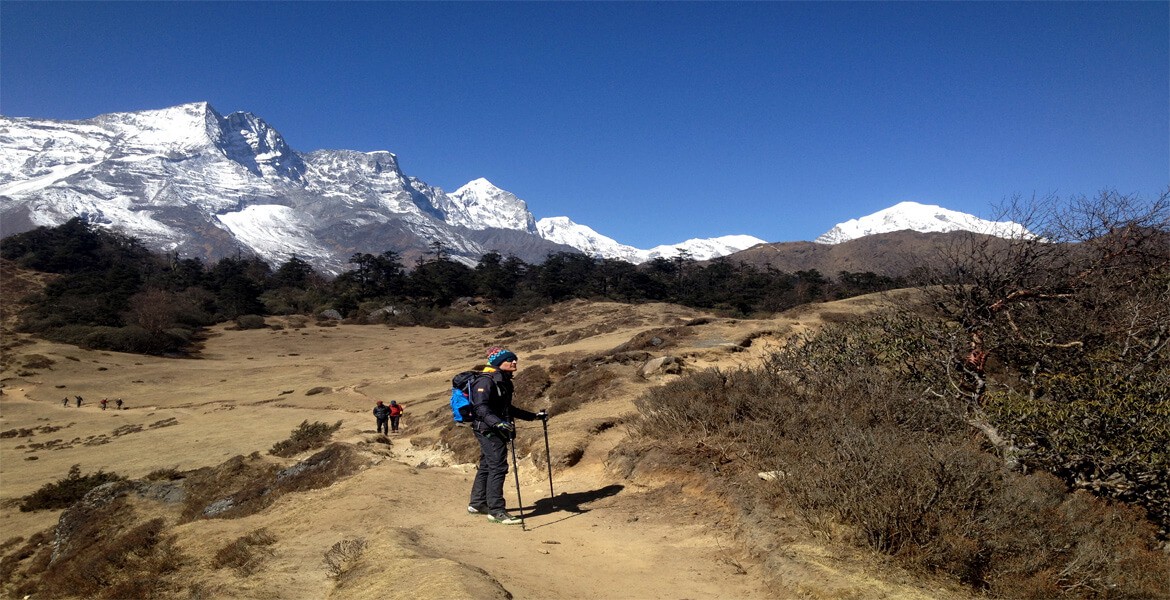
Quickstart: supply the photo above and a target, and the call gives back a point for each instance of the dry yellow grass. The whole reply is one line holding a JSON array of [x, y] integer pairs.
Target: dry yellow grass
[[606, 537]]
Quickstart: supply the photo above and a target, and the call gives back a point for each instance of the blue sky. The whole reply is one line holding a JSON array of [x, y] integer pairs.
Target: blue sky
[[650, 122]]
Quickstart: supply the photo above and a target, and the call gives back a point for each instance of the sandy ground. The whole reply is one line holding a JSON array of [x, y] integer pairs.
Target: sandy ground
[[601, 536]]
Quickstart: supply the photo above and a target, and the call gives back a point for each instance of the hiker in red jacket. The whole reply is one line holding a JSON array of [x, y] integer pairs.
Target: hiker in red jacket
[[395, 414]]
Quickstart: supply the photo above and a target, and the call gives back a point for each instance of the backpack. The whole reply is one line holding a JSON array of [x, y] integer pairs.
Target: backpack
[[461, 396]]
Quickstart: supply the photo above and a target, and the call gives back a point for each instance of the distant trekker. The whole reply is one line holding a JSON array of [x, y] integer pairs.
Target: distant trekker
[[118, 403], [395, 415], [103, 403], [382, 415], [78, 401]]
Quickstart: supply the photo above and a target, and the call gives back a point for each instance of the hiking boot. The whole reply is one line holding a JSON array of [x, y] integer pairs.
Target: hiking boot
[[503, 518], [477, 510]]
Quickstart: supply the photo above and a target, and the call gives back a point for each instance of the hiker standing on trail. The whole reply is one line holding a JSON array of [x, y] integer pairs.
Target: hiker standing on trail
[[492, 416], [78, 401], [103, 403], [65, 402], [395, 415], [382, 414], [118, 403]]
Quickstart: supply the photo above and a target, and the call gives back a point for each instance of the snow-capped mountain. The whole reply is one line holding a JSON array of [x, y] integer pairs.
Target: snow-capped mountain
[[564, 231], [190, 180], [480, 205], [923, 218]]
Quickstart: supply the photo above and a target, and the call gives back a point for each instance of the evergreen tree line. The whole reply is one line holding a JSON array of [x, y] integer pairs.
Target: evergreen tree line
[[109, 291]]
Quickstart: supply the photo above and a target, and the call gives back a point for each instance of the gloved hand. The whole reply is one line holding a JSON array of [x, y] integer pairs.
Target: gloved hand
[[542, 415], [506, 430]]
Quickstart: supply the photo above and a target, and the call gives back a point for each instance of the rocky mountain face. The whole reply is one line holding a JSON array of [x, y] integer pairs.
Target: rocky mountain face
[[190, 180]]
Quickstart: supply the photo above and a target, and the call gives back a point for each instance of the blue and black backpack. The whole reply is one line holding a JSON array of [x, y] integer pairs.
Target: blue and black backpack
[[461, 396]]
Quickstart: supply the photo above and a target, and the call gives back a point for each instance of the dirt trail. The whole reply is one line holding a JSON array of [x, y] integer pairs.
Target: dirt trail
[[593, 540], [601, 537]]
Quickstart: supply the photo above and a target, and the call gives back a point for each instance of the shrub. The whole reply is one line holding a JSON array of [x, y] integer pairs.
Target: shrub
[[168, 474], [246, 553], [305, 437], [342, 555], [115, 561], [580, 386], [132, 339], [847, 427], [66, 491], [250, 322], [38, 361]]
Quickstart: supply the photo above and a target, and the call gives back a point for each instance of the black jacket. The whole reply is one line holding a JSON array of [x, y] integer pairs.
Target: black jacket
[[382, 412], [491, 400]]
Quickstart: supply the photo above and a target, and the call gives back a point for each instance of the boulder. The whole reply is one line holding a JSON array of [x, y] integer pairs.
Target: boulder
[[663, 365]]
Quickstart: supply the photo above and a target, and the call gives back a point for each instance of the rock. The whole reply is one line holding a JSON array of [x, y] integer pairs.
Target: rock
[[663, 365]]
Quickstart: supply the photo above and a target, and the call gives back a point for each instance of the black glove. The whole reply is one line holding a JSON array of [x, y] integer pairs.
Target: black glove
[[506, 430], [542, 415]]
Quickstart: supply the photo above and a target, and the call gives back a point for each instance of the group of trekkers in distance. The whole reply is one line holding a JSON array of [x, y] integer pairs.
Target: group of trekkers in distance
[[104, 402]]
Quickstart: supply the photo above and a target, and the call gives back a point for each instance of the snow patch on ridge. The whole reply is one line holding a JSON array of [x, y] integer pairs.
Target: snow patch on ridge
[[562, 230], [275, 232], [923, 218]]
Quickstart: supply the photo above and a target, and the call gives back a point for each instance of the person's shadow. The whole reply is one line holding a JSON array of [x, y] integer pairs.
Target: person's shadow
[[570, 503]]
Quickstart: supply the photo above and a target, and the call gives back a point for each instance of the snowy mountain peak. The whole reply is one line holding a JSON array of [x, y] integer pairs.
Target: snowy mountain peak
[[924, 218], [192, 180], [563, 230], [479, 204], [248, 140]]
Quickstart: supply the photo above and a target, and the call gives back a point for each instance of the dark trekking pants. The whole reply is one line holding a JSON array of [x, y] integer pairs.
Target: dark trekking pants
[[488, 488], [394, 423], [382, 427]]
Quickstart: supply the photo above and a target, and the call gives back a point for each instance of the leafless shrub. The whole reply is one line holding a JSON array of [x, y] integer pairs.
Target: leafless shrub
[[656, 339], [580, 386], [343, 555], [245, 554], [114, 557], [237, 487], [167, 474], [10, 563], [845, 418], [530, 382]]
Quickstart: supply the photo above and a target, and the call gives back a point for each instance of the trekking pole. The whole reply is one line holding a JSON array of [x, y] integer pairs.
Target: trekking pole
[[548, 458], [516, 476]]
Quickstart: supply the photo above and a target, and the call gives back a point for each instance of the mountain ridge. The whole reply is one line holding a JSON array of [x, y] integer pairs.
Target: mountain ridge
[[191, 180]]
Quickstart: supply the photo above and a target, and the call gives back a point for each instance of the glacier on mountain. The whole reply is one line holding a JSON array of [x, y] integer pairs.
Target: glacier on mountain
[[923, 218]]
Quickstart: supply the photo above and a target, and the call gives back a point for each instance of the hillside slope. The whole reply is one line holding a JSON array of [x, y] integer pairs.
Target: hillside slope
[[603, 534]]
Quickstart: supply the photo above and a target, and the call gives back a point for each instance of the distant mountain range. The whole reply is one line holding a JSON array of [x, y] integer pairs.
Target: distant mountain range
[[190, 180]]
